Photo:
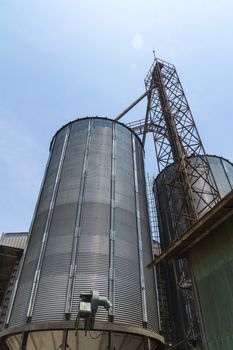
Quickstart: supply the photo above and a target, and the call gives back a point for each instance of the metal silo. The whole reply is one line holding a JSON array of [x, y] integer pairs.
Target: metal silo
[[182, 310], [90, 232], [222, 172]]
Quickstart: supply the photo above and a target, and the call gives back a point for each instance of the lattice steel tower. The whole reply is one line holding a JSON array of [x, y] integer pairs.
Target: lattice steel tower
[[177, 142]]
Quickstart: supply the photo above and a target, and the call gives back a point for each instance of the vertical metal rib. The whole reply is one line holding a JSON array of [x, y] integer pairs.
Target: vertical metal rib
[[47, 226], [77, 228], [139, 233], [112, 224], [12, 299]]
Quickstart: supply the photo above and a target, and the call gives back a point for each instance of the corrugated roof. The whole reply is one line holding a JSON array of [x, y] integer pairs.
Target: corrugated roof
[[16, 240]]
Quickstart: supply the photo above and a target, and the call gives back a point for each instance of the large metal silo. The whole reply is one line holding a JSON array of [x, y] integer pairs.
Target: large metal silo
[[90, 231]]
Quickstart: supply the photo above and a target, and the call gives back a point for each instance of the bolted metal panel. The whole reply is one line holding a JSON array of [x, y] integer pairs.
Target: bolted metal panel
[[149, 277], [112, 232], [77, 216], [92, 260], [127, 277], [43, 247], [223, 173], [228, 170], [139, 233], [21, 296], [91, 230]]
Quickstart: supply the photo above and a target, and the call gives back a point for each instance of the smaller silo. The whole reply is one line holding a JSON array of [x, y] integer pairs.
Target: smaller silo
[[222, 171], [180, 299]]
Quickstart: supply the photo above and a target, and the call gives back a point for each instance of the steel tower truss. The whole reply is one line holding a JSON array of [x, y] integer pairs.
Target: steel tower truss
[[186, 180], [177, 142]]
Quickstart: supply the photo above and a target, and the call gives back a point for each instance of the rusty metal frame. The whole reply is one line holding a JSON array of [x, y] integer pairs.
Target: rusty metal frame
[[189, 184], [177, 142]]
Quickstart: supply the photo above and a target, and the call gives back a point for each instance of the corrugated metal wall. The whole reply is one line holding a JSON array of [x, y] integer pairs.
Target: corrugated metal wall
[[16, 240], [91, 229], [211, 262]]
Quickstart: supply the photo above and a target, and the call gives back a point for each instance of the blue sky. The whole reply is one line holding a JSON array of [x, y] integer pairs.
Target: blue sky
[[64, 59]]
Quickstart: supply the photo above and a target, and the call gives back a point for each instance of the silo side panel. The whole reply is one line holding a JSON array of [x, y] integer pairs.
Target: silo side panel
[[127, 284], [19, 312], [56, 264], [152, 313], [228, 167], [93, 246], [219, 175]]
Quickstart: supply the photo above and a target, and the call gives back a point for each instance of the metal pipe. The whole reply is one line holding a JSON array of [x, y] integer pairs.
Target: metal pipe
[[131, 106], [146, 118]]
